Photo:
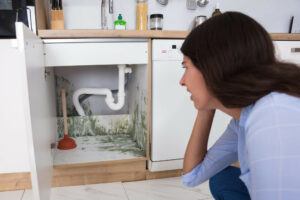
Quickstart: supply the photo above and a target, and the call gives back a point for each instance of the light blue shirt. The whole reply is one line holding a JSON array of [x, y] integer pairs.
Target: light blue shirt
[[266, 142]]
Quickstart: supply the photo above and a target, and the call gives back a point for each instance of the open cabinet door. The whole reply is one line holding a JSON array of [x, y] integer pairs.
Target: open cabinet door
[[39, 105]]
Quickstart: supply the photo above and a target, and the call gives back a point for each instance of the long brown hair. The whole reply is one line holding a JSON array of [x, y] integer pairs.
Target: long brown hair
[[236, 56]]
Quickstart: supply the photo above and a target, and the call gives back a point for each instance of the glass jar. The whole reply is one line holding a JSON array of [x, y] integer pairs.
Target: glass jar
[[156, 21], [141, 14]]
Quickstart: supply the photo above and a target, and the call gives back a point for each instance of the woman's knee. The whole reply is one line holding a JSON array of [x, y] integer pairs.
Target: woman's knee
[[224, 176], [227, 185], [221, 180]]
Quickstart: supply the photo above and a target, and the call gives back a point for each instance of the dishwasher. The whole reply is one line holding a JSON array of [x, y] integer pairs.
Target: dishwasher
[[173, 112]]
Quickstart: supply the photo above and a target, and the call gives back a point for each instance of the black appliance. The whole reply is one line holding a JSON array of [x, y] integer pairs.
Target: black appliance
[[12, 11]]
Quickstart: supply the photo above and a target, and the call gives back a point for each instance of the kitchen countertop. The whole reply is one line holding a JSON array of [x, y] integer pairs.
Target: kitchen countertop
[[97, 33]]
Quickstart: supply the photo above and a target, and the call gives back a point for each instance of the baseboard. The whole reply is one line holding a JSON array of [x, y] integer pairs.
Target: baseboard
[[102, 172], [157, 166], [89, 173], [163, 174], [15, 181]]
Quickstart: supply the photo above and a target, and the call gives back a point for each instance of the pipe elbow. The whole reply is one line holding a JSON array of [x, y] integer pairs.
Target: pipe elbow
[[76, 102], [115, 106], [105, 91]]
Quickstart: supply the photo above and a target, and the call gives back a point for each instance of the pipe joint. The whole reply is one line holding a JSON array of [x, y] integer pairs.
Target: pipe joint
[[104, 91]]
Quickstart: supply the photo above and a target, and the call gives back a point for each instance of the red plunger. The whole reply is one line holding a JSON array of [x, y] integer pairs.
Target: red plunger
[[66, 142]]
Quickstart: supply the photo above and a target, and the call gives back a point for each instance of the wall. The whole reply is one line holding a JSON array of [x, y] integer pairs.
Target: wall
[[137, 99], [74, 78], [273, 16]]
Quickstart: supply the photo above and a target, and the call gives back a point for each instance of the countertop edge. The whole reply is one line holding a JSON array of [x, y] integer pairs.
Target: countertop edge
[[148, 34]]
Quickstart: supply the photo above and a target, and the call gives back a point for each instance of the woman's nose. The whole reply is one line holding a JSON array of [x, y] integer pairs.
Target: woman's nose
[[181, 82]]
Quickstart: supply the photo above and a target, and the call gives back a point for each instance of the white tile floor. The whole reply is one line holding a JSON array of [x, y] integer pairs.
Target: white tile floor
[[158, 189]]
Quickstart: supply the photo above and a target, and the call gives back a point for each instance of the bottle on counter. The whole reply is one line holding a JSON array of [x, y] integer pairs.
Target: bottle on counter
[[107, 14], [217, 10], [120, 24], [156, 22], [141, 15]]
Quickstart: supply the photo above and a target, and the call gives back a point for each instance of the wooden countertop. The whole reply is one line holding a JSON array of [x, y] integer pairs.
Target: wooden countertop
[[97, 33]]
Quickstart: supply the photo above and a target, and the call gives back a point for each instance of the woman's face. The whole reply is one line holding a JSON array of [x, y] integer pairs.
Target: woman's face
[[195, 84]]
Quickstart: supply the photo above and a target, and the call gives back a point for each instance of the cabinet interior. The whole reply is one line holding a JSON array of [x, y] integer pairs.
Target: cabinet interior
[[103, 134]]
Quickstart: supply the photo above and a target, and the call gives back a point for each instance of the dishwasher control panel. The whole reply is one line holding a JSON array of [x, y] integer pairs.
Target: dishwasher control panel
[[165, 49]]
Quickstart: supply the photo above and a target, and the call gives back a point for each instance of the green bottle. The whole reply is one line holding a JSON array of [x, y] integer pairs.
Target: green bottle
[[120, 24]]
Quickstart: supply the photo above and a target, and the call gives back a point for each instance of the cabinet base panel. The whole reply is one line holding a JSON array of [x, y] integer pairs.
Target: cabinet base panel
[[163, 174], [102, 172], [15, 181], [89, 173]]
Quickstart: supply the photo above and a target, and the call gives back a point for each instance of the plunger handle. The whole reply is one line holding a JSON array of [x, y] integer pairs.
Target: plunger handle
[[64, 108]]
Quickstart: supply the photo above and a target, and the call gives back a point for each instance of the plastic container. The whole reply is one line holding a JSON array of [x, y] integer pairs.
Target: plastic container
[[156, 22], [141, 15], [120, 24], [199, 20]]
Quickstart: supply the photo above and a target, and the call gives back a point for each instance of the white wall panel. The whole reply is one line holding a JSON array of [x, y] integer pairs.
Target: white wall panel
[[273, 15]]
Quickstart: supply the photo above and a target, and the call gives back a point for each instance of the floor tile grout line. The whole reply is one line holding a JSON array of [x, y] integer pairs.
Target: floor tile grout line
[[22, 194], [125, 191]]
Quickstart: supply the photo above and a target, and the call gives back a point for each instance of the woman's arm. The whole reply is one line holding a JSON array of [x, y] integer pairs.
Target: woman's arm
[[197, 146], [201, 164]]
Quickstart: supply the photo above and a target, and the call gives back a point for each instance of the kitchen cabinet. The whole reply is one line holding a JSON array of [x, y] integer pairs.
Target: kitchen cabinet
[[13, 149], [85, 52], [39, 110], [38, 61]]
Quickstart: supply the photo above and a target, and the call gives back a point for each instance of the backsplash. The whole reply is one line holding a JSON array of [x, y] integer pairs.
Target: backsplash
[[85, 14]]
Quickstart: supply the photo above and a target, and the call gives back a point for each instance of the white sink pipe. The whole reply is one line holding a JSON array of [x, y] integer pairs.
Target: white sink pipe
[[104, 91]]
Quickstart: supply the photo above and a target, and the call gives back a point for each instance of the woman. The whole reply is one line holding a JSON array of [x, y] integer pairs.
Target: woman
[[230, 65]]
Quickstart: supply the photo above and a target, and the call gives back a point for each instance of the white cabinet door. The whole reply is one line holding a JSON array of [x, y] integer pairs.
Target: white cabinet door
[[12, 122], [39, 111]]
